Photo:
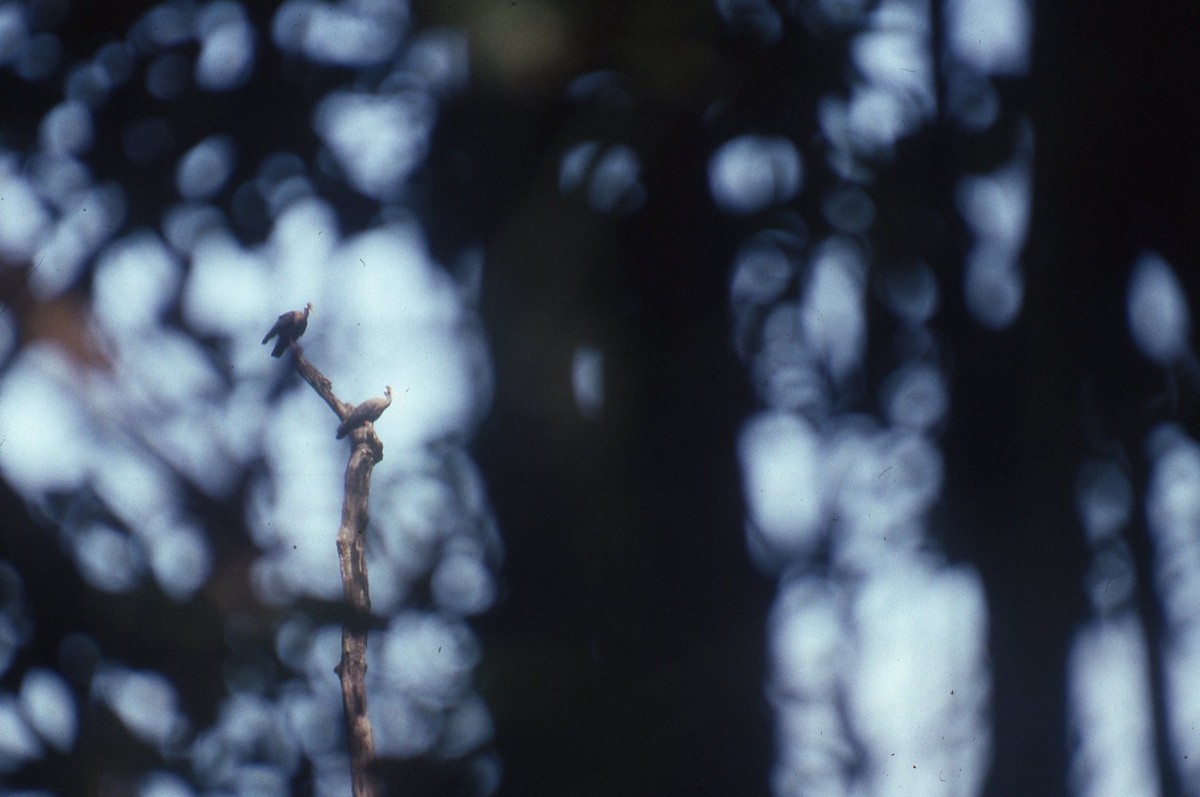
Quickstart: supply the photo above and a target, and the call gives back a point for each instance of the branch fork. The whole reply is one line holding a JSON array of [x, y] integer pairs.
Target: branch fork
[[367, 450]]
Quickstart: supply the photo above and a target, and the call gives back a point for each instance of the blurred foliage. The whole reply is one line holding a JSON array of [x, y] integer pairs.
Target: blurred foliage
[[626, 655]]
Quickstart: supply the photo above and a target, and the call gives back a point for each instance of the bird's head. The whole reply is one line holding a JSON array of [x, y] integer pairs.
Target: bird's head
[[308, 308], [387, 391]]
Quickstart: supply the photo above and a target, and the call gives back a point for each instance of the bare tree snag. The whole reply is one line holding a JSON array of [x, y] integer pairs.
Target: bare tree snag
[[352, 556]]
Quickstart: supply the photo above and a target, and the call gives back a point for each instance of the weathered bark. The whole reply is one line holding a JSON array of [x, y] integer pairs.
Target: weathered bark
[[352, 556]]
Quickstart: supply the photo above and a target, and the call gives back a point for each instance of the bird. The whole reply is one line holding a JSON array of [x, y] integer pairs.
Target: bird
[[367, 412], [289, 327]]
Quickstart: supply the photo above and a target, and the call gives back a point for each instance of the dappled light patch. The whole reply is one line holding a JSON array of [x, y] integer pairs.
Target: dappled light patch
[[88, 218], [20, 743], [996, 208], [136, 279], [227, 46], [1104, 499], [145, 701], [1173, 512], [784, 493], [753, 172], [48, 705], [915, 397], [608, 177], [25, 219], [1111, 710], [342, 34], [1159, 319], [377, 140], [67, 130], [587, 381], [249, 749], [763, 269], [204, 168], [879, 674], [179, 407], [990, 37], [854, 177], [832, 312]]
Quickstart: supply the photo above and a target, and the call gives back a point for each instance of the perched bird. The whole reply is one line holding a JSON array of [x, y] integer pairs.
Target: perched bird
[[367, 412], [289, 327]]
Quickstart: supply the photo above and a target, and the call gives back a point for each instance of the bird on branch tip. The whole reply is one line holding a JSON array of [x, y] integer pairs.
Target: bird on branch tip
[[289, 327], [367, 412]]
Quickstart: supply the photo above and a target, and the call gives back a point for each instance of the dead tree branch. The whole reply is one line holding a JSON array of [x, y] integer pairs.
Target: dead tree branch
[[352, 555]]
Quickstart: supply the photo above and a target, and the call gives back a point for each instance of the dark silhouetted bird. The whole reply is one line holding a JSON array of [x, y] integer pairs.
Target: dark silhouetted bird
[[289, 327], [368, 411]]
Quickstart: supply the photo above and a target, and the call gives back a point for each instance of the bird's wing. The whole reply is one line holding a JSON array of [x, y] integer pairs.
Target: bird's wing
[[352, 420], [277, 328]]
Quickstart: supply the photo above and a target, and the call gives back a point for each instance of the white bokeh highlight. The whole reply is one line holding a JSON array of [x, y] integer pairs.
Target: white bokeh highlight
[[49, 707], [587, 381], [377, 140], [1159, 318], [18, 742], [1111, 711], [352, 34], [145, 701], [832, 312], [136, 278], [990, 36], [67, 129], [752, 172], [227, 47], [781, 456], [204, 169], [996, 208], [610, 178], [1173, 515], [25, 220]]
